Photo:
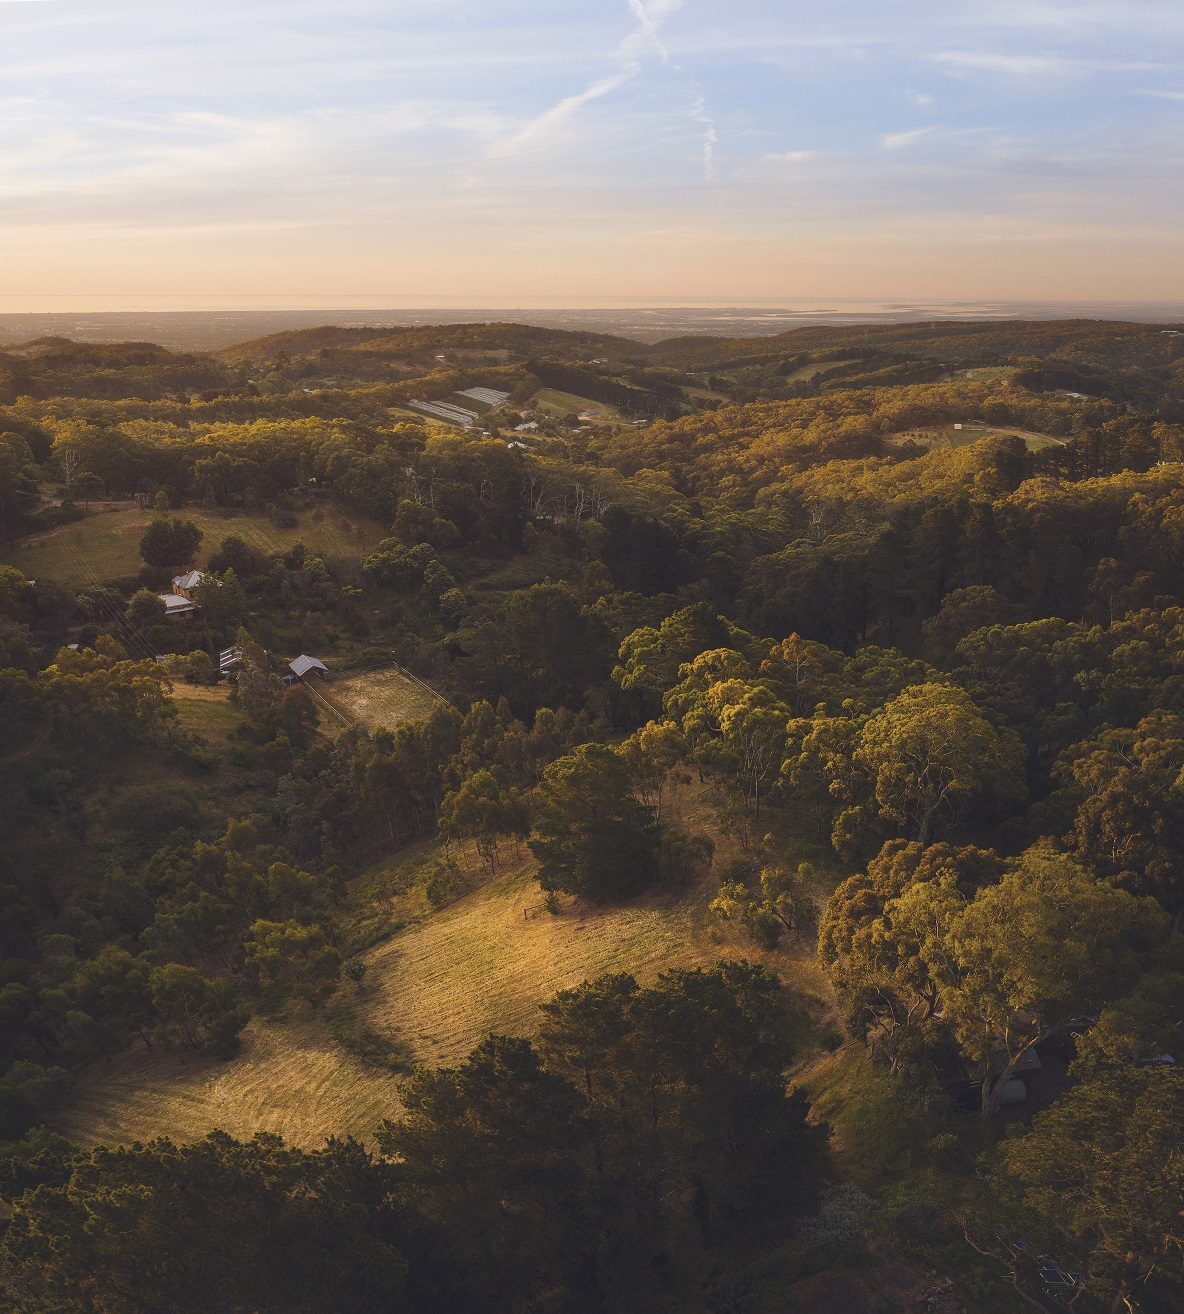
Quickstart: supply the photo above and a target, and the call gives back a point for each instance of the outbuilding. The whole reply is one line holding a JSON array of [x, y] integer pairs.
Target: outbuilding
[[176, 604], [304, 666]]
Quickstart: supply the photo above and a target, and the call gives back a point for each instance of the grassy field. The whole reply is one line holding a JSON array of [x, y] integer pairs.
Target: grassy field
[[106, 544], [206, 711], [947, 436], [817, 367], [987, 373], [438, 985], [290, 1078], [550, 401], [484, 963], [376, 698], [436, 982], [488, 960]]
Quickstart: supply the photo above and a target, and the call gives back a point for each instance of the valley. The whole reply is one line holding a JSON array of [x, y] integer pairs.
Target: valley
[[513, 779]]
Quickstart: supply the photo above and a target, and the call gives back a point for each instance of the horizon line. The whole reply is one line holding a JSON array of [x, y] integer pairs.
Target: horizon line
[[373, 305]]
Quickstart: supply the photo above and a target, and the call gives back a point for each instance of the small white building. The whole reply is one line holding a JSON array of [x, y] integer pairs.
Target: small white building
[[175, 605]]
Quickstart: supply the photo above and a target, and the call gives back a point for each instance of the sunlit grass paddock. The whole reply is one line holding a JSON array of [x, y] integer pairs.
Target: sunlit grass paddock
[[105, 545]]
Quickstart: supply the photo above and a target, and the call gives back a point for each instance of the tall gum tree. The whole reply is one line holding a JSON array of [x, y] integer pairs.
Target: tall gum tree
[[1041, 952], [932, 754]]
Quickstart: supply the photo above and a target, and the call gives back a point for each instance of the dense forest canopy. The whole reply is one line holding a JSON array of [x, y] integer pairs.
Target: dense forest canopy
[[834, 680]]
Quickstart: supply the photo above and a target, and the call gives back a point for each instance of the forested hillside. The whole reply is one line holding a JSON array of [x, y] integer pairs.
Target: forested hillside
[[725, 854]]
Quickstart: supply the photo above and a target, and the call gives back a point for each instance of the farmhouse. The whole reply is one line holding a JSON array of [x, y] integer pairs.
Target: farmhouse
[[179, 602], [185, 585]]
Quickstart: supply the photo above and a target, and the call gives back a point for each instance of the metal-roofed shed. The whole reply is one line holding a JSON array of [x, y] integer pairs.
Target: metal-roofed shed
[[305, 665]]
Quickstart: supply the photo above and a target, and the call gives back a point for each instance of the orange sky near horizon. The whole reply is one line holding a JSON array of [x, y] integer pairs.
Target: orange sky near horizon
[[410, 152]]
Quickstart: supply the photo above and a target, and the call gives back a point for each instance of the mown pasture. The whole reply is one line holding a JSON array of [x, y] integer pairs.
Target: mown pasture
[[435, 982], [105, 544]]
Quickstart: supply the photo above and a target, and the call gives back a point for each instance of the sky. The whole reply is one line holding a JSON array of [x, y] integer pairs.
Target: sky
[[588, 152]]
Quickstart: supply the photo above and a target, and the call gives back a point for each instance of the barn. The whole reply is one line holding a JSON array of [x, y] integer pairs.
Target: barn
[[305, 666]]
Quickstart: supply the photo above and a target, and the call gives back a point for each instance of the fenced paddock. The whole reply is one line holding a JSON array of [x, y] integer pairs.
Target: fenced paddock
[[374, 699]]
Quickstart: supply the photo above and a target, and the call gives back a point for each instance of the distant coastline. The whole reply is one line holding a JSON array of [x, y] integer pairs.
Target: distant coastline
[[209, 329]]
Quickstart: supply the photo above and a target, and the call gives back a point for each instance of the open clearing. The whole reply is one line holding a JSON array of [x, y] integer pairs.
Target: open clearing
[[948, 436], [550, 401], [206, 710], [815, 368], [704, 394], [488, 961], [106, 544], [290, 1078], [384, 698], [439, 985], [436, 982]]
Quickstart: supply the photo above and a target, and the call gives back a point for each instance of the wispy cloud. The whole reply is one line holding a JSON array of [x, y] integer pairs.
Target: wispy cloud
[[791, 157], [1024, 65], [627, 58], [895, 141], [1010, 63], [650, 15], [700, 115], [548, 145], [551, 128], [545, 125]]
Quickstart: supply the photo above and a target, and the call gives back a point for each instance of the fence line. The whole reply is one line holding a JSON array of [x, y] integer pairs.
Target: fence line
[[423, 684], [340, 712]]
